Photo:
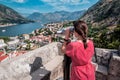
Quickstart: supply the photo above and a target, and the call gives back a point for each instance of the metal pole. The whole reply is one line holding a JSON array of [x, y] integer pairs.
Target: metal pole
[[66, 65]]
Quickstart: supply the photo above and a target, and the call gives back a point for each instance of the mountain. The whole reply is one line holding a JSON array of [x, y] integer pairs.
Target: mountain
[[24, 14], [8, 15], [55, 16], [103, 20], [104, 13]]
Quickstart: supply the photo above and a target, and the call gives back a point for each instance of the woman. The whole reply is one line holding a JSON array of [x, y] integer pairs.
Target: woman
[[80, 52]]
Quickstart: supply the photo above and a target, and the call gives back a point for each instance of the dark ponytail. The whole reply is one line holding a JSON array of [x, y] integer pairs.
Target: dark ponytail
[[85, 43], [82, 29]]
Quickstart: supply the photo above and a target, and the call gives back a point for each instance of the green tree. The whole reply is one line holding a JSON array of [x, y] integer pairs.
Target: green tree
[[6, 39]]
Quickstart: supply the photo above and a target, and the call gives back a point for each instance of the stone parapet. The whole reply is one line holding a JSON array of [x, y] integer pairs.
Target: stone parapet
[[46, 63], [114, 69], [108, 64], [21, 67], [103, 56], [101, 73]]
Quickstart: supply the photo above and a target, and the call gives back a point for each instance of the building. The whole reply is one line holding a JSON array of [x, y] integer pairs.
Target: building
[[2, 44], [13, 44], [1, 41], [26, 36]]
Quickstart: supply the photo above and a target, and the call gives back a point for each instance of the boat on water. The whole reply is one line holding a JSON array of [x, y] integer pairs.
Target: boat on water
[[3, 30]]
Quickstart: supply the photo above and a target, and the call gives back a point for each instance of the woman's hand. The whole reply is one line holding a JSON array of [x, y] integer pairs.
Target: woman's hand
[[67, 33]]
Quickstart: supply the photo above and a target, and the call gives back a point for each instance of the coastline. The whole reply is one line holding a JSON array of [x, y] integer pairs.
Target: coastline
[[49, 25], [6, 25]]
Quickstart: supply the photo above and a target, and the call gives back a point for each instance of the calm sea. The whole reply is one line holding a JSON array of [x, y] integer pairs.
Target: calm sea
[[19, 29]]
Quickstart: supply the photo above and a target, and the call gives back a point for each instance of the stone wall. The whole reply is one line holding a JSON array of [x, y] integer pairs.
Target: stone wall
[[45, 63], [114, 68], [21, 67], [108, 64], [103, 56]]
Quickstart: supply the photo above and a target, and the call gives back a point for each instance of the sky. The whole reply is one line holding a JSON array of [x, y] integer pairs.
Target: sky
[[45, 6]]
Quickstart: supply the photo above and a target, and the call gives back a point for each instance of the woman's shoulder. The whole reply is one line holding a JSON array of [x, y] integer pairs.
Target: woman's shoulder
[[90, 44], [78, 43]]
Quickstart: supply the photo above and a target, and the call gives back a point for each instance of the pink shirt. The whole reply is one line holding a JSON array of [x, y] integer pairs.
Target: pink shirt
[[81, 69]]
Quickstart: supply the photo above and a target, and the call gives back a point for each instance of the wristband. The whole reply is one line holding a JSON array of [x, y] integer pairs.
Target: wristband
[[67, 40]]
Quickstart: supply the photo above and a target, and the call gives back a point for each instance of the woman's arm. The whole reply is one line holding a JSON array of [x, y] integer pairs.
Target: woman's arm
[[67, 35], [64, 47]]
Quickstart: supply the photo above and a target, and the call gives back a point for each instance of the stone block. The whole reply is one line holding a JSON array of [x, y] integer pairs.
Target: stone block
[[100, 76], [41, 74], [103, 56], [56, 68], [101, 73], [114, 66], [111, 77]]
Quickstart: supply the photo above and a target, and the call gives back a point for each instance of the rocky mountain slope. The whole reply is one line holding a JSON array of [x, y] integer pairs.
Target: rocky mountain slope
[[104, 13], [103, 19], [8, 15], [55, 16]]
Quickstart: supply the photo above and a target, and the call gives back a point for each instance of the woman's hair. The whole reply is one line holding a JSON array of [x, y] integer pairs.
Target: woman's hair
[[81, 28]]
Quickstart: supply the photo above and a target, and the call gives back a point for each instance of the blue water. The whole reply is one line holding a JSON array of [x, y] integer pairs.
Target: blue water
[[19, 29]]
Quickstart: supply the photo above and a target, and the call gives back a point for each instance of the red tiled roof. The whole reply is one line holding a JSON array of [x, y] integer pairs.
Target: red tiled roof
[[20, 52], [1, 53], [3, 57]]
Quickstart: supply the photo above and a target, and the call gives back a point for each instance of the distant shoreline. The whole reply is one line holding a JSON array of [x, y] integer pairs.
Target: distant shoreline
[[6, 25]]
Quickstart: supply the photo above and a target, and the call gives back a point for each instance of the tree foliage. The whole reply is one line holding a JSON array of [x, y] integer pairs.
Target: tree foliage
[[6, 39], [104, 38]]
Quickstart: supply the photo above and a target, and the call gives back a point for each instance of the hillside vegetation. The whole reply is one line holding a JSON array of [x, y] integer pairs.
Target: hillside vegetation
[[103, 20]]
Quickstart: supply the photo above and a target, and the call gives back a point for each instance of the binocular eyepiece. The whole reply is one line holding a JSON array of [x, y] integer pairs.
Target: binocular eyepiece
[[63, 30], [71, 29]]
